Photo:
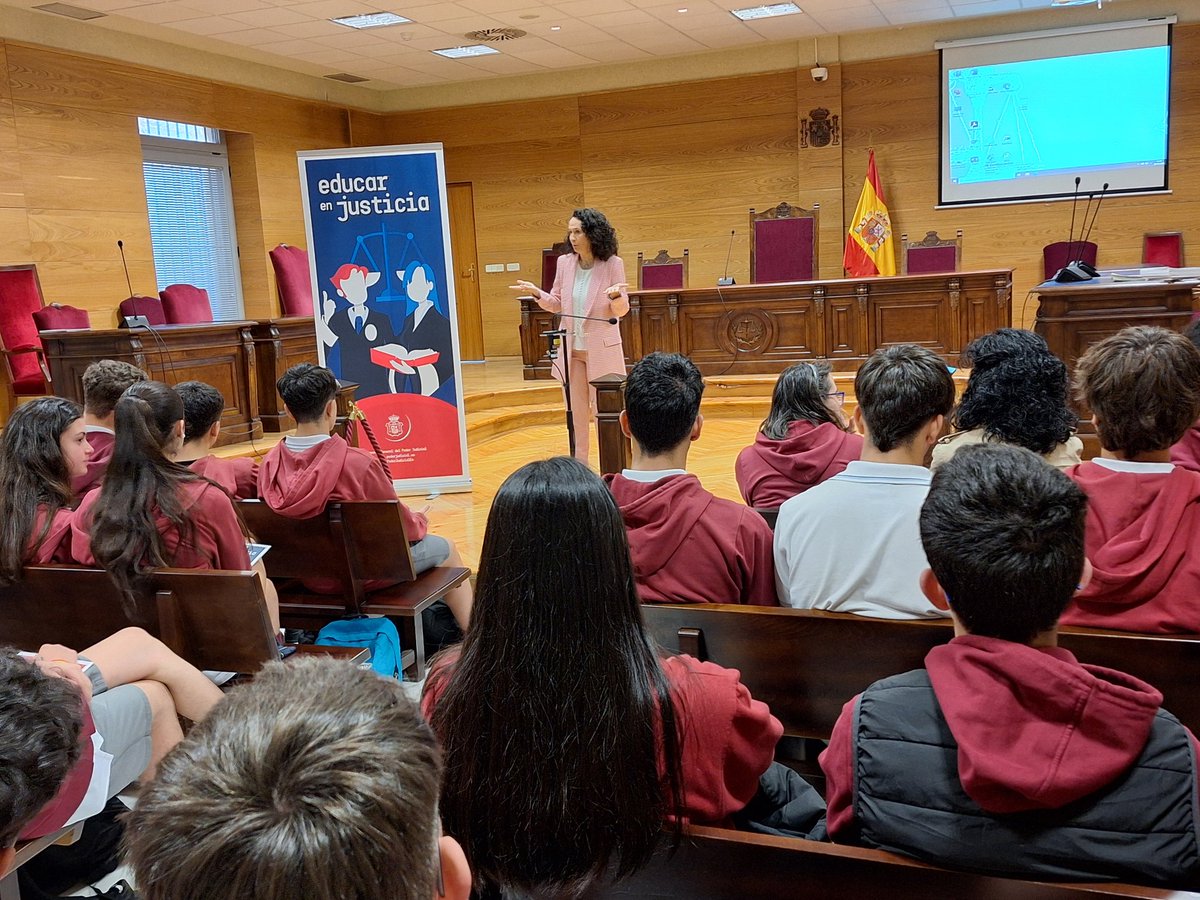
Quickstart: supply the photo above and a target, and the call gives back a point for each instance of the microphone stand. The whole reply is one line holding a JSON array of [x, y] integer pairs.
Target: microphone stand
[[554, 339]]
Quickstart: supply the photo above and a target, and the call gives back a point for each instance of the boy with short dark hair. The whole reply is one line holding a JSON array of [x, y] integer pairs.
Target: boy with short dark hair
[[41, 720], [1143, 387], [851, 544], [687, 545], [335, 799], [1186, 451], [307, 470], [1004, 754], [203, 405], [104, 381]]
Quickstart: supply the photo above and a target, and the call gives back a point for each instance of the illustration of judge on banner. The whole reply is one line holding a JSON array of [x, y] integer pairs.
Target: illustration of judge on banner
[[379, 235]]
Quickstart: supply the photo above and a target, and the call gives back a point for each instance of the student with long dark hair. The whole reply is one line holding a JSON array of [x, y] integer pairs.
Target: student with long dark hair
[[1017, 394], [151, 511], [43, 448], [569, 737], [804, 440]]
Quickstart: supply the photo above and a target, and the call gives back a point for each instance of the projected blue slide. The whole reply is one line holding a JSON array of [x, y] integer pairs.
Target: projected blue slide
[[1070, 115]]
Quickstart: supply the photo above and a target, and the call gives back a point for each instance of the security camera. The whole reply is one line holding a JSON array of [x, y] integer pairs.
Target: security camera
[[819, 73]]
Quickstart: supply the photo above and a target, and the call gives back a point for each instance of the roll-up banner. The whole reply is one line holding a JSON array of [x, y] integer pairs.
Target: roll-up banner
[[379, 258]]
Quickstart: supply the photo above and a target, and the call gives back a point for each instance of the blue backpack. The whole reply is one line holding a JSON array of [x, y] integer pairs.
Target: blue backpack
[[378, 634]]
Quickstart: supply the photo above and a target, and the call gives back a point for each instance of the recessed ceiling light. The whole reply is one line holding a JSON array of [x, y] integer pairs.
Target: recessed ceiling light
[[371, 20], [465, 52], [765, 12], [347, 78], [71, 12], [681, 9], [556, 28]]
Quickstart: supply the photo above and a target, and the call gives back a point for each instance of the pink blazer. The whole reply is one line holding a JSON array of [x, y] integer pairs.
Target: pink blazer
[[605, 355]]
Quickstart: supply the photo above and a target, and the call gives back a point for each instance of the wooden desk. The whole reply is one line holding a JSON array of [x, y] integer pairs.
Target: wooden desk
[[1072, 317], [764, 328], [280, 344], [219, 353]]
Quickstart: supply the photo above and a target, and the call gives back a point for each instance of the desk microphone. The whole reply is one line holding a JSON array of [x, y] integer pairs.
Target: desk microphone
[[725, 280], [125, 266], [1083, 242], [1072, 271]]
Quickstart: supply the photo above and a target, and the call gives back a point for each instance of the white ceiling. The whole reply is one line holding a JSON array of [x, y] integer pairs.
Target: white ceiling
[[297, 34]]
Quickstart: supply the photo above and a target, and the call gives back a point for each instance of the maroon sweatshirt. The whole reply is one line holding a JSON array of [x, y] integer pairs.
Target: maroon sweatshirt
[[1035, 728], [238, 475], [1141, 539], [1187, 452], [691, 547], [770, 471]]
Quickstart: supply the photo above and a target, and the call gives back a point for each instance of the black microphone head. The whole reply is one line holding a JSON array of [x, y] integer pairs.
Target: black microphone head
[[1077, 180], [1104, 187], [121, 244], [613, 320]]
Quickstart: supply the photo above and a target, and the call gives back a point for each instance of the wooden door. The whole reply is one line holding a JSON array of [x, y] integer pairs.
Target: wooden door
[[466, 274]]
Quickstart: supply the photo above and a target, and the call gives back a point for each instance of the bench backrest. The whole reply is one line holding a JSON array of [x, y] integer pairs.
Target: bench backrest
[[805, 664], [213, 619], [728, 865], [356, 541]]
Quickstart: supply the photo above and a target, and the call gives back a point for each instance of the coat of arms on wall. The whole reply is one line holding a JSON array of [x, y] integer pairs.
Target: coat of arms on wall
[[820, 129]]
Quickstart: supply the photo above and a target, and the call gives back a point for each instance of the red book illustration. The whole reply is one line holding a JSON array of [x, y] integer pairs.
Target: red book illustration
[[391, 355]]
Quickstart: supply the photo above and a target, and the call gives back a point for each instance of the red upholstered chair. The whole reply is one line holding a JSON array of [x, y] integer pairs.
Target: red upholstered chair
[[150, 307], [20, 298], [930, 254], [1058, 254], [664, 272], [56, 316], [550, 263], [783, 244], [1162, 248], [292, 280], [186, 304]]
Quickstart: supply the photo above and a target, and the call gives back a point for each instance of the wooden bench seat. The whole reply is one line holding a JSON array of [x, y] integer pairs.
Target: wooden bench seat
[[213, 619], [356, 542], [716, 864], [10, 888], [805, 664]]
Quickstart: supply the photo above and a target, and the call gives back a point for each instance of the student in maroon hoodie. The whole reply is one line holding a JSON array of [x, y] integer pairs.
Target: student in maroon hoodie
[[1143, 387], [687, 545], [1004, 754], [202, 408], [305, 471], [104, 381], [804, 439], [1186, 451]]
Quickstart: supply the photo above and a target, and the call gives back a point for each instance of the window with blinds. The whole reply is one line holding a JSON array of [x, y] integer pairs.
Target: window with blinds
[[191, 211]]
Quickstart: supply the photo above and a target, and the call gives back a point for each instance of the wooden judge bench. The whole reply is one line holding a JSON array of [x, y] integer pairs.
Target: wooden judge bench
[[763, 328]]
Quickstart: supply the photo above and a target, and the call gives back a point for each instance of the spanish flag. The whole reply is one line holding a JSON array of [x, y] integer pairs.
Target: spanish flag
[[869, 247]]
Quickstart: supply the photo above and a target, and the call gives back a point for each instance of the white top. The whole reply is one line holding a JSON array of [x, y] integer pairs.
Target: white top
[[1134, 467], [579, 299], [98, 429], [300, 444], [852, 544], [647, 477]]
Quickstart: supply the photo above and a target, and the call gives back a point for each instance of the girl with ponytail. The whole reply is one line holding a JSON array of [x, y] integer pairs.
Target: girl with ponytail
[[150, 511], [44, 446]]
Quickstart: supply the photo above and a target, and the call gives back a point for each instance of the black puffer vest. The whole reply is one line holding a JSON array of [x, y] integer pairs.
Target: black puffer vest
[[908, 799]]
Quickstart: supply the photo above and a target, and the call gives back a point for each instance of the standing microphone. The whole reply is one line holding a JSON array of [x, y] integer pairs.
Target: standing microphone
[[1083, 242], [612, 320], [125, 266], [725, 280]]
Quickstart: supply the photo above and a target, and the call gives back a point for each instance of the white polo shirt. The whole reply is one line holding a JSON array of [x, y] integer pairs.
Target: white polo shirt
[[852, 544]]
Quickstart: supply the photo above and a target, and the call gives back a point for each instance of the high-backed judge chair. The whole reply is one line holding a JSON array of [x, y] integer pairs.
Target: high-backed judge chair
[[55, 317], [783, 244], [550, 257], [292, 280], [664, 272], [1058, 254], [150, 307], [930, 254], [20, 345], [1162, 248], [186, 304]]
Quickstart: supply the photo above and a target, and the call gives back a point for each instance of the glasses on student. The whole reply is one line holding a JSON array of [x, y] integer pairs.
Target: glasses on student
[[840, 396]]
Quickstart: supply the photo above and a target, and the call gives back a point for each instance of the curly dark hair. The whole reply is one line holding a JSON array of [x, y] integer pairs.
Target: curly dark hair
[[1017, 392], [600, 233]]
